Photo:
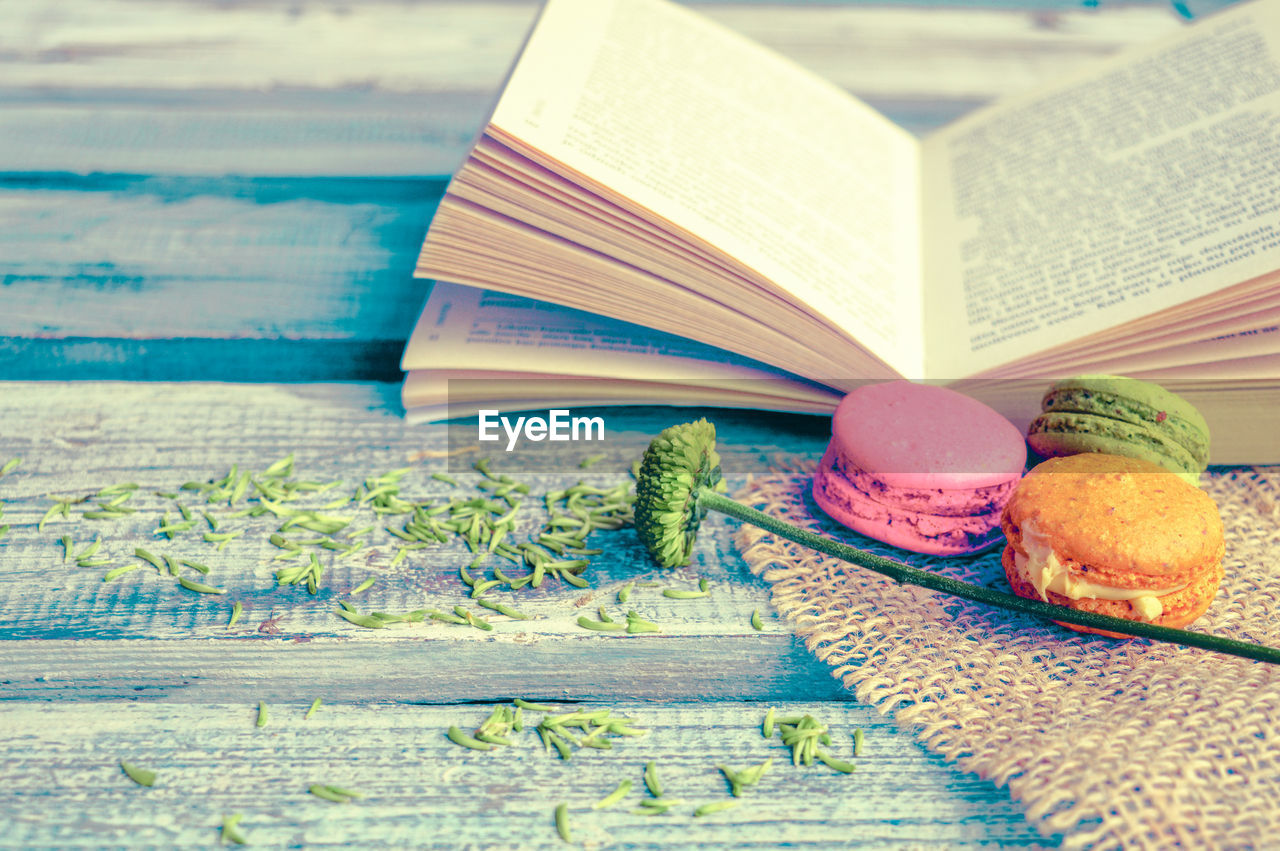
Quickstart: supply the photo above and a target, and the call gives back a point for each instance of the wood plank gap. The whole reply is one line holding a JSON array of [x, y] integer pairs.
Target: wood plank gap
[[241, 359]]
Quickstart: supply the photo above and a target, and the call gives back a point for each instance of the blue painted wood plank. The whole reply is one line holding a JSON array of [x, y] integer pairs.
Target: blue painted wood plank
[[150, 91], [212, 131], [134, 276], [61, 785], [98, 666]]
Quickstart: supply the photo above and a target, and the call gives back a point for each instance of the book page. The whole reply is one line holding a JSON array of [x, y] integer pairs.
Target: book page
[[738, 147], [1185, 336], [1148, 181], [462, 393], [465, 328]]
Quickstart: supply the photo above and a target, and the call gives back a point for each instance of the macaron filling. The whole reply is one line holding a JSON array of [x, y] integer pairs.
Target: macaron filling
[[945, 502], [1122, 432], [1047, 571], [1073, 398], [920, 531]]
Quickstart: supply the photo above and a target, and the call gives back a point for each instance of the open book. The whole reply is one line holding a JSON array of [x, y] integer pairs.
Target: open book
[[647, 165]]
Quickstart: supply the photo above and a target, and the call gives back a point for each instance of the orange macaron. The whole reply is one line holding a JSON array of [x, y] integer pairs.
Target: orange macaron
[[1114, 535]]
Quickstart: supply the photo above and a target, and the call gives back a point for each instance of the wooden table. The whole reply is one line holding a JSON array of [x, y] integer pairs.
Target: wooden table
[[210, 213]]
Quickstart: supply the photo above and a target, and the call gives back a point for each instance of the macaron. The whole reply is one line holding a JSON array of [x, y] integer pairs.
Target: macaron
[[1121, 416], [1116, 535], [919, 467]]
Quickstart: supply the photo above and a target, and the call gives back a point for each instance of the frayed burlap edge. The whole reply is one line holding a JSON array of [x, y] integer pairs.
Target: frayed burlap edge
[[1109, 743]]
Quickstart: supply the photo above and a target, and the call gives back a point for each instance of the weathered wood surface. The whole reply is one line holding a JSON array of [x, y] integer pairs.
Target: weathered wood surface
[[302, 258], [162, 636], [416, 79], [143, 670], [63, 785]]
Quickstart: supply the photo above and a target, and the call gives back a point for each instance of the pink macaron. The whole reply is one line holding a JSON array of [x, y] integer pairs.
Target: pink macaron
[[920, 467]]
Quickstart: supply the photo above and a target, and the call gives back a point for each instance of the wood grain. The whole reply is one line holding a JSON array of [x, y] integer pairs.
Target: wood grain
[[435, 668], [160, 264], [455, 46], [143, 635], [60, 781], [211, 131], [393, 88]]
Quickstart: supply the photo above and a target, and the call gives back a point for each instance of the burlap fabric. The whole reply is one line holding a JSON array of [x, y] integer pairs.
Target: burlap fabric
[[1110, 743]]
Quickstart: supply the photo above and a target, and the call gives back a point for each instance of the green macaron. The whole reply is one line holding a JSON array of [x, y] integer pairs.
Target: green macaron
[[1121, 416]]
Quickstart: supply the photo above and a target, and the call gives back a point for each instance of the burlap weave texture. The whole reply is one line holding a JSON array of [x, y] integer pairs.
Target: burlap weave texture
[[1111, 743]]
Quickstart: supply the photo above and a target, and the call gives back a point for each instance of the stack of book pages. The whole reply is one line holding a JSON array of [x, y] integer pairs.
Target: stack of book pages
[[660, 211]]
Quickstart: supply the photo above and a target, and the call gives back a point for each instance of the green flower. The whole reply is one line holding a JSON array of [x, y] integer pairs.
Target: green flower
[[678, 463]]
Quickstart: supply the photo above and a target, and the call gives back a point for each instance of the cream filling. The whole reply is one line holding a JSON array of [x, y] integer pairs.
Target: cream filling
[[1047, 573]]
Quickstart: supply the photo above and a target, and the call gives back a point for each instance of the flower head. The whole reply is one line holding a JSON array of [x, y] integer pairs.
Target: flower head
[[676, 465]]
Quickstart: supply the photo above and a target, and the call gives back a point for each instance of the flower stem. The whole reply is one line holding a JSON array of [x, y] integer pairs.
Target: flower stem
[[914, 576]]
